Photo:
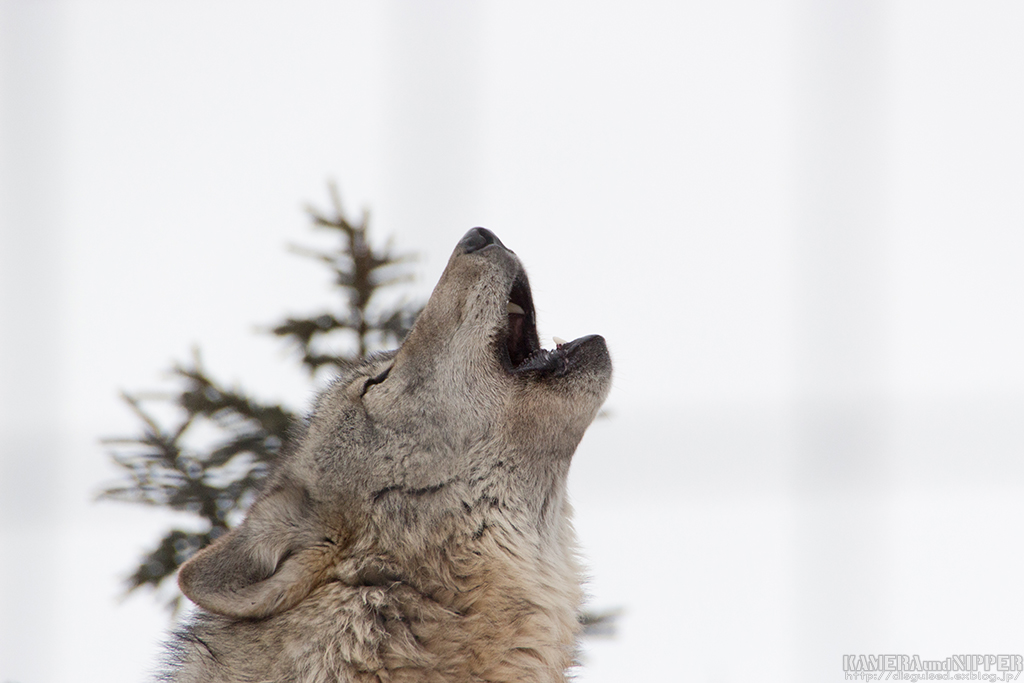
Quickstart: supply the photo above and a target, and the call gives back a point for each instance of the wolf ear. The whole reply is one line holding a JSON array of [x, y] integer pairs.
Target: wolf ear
[[267, 565]]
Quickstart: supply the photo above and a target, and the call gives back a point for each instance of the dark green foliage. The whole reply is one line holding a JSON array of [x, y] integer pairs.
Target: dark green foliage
[[214, 479], [359, 272]]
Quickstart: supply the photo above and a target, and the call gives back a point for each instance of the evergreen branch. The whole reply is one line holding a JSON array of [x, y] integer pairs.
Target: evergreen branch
[[600, 623], [255, 443], [173, 550], [216, 480], [315, 361], [204, 397], [304, 329]]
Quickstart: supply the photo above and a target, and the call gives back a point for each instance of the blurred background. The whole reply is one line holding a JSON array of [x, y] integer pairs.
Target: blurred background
[[799, 225]]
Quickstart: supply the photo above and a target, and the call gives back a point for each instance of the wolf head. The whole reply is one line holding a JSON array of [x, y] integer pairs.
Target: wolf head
[[429, 466]]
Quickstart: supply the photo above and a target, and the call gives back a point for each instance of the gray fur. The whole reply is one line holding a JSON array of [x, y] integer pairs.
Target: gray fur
[[420, 531]]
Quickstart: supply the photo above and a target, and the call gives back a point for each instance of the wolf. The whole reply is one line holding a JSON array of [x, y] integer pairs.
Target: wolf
[[419, 530]]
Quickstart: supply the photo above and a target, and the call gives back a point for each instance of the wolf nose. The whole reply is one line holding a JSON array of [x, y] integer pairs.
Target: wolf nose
[[478, 238]]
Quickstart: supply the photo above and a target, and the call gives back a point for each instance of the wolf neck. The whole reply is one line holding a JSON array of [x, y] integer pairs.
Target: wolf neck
[[504, 630], [497, 602], [494, 613], [499, 611]]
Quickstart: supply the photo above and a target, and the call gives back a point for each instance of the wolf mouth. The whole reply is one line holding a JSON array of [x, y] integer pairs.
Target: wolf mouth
[[521, 342], [517, 344], [522, 353]]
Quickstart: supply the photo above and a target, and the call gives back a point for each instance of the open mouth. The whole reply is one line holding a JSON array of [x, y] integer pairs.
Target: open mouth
[[522, 341], [517, 344], [522, 352]]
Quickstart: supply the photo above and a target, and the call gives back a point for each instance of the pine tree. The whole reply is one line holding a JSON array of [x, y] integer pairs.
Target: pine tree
[[216, 481]]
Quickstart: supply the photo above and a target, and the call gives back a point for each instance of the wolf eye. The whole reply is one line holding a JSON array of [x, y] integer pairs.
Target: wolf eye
[[375, 380]]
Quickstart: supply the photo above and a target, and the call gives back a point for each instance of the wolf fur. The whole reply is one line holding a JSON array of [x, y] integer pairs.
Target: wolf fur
[[419, 530]]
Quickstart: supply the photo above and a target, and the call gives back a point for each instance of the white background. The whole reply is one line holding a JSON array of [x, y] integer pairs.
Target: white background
[[799, 225]]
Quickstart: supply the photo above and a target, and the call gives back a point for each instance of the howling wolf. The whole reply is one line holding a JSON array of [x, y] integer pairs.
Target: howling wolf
[[419, 529]]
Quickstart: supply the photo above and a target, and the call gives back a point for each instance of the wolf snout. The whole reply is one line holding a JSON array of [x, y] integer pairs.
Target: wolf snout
[[478, 238]]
